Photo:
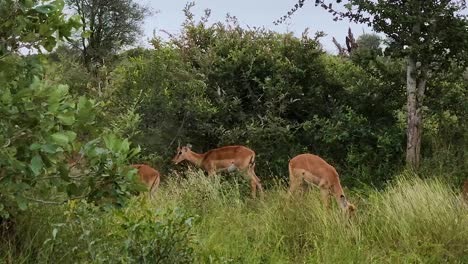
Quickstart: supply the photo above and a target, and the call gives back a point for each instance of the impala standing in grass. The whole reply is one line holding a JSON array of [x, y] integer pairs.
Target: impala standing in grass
[[148, 176], [311, 169], [228, 158]]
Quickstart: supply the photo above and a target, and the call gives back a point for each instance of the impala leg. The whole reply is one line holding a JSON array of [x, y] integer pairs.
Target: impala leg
[[260, 187], [154, 187], [254, 184], [325, 197], [253, 187], [211, 173]]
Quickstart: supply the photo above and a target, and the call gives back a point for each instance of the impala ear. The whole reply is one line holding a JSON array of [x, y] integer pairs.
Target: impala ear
[[189, 146]]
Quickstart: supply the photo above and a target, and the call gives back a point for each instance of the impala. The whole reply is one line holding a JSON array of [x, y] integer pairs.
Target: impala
[[311, 169], [148, 176], [228, 158]]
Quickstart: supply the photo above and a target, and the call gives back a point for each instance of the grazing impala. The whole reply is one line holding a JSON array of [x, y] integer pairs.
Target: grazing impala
[[312, 169], [228, 158], [148, 176]]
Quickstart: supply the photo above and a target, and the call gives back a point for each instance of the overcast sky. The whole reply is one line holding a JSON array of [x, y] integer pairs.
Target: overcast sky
[[168, 15]]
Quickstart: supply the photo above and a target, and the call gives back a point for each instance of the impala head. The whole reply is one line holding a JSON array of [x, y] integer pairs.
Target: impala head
[[347, 206], [181, 154]]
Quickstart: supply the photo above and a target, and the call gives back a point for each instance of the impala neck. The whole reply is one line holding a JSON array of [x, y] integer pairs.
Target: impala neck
[[195, 158]]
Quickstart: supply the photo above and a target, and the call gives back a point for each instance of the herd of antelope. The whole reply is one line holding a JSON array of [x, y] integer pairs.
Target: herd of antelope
[[303, 169]]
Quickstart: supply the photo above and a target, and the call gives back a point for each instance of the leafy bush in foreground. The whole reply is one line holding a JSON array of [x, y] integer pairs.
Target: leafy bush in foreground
[[80, 232]]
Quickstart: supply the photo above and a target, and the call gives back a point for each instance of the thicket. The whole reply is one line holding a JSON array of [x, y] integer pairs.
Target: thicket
[[42, 125], [219, 84]]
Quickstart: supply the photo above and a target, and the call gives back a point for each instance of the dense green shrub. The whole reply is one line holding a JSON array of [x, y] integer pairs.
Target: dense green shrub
[[80, 232], [280, 95], [42, 124]]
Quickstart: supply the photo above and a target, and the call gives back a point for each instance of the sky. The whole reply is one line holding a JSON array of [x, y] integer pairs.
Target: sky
[[168, 15]]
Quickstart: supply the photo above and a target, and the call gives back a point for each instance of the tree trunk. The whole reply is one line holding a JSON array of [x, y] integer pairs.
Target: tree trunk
[[415, 86]]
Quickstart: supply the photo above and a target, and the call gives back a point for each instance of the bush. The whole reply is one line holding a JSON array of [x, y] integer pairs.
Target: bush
[[81, 232], [278, 94]]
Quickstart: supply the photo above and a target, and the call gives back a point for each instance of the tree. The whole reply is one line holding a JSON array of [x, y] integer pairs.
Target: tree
[[107, 26], [42, 124], [30, 24], [368, 50], [429, 34], [351, 44]]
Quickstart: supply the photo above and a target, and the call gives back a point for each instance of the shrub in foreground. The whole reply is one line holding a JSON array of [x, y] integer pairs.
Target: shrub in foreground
[[81, 233]]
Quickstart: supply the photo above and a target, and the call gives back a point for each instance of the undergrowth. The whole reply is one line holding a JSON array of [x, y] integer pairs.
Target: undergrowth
[[196, 219]]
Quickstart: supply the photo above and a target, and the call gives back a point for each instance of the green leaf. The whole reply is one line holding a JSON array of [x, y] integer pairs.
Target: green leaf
[[67, 118], [6, 97], [111, 142], [86, 34], [85, 110], [36, 165], [50, 44], [43, 29], [45, 9], [63, 138], [54, 233], [60, 138], [51, 148], [35, 146], [22, 203], [71, 135], [58, 94]]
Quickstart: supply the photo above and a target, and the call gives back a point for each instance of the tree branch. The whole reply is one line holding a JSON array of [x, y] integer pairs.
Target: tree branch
[[54, 202]]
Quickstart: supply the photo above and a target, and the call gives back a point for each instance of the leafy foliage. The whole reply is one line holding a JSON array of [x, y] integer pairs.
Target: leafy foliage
[[42, 125], [33, 24], [140, 233], [431, 35], [281, 95]]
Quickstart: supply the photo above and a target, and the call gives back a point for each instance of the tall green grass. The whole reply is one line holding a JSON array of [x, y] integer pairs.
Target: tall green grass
[[411, 221]]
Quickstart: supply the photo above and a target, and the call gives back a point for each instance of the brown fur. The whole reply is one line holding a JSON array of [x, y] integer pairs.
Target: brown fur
[[465, 190], [311, 169], [148, 176], [226, 158]]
